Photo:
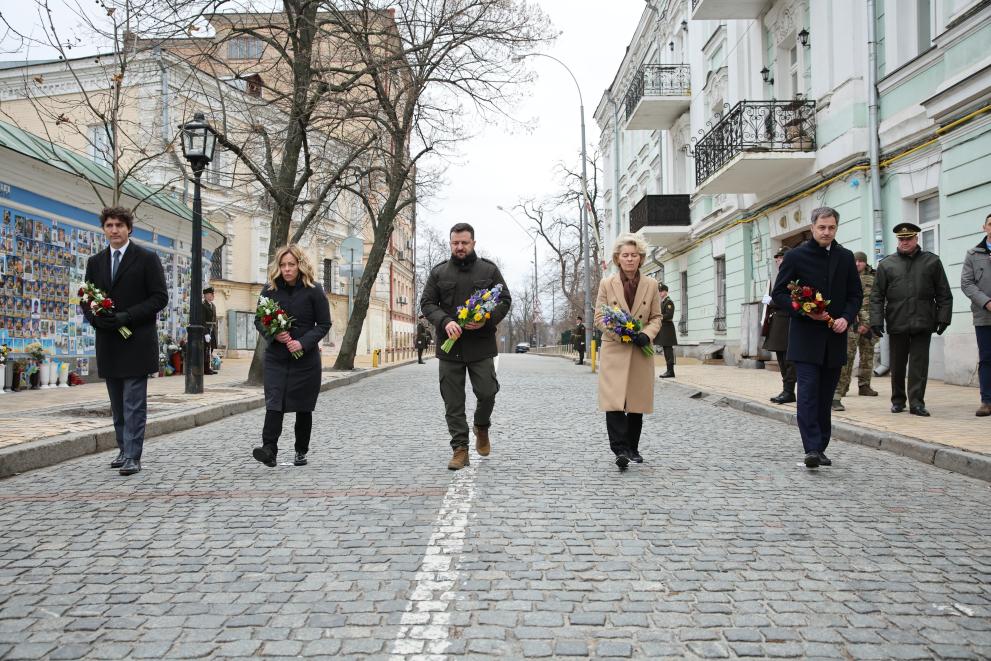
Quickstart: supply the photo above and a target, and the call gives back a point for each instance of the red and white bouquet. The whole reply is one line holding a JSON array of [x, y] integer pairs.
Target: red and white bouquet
[[807, 300], [274, 319], [100, 304]]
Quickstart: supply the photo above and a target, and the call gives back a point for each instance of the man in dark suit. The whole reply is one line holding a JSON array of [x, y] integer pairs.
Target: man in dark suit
[[209, 329], [817, 340], [133, 277]]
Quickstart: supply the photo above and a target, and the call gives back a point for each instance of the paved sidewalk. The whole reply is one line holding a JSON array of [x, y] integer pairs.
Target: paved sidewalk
[[47, 426]]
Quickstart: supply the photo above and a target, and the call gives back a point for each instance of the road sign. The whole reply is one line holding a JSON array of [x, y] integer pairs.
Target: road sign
[[352, 270], [351, 249]]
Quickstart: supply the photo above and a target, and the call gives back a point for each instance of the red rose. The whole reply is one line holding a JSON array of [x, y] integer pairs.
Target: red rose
[[107, 304], [280, 311], [794, 305], [807, 291], [267, 319], [81, 291]]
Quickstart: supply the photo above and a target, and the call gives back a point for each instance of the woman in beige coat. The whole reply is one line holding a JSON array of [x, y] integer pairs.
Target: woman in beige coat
[[626, 375]]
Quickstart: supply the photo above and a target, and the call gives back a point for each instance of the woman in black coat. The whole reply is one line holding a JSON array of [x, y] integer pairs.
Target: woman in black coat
[[292, 384]]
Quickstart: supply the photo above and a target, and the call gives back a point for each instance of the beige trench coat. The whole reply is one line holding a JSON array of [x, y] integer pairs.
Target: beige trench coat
[[626, 375]]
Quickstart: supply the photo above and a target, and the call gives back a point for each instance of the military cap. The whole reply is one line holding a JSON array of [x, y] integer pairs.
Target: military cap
[[781, 251], [860, 256], [662, 287], [208, 290], [906, 230]]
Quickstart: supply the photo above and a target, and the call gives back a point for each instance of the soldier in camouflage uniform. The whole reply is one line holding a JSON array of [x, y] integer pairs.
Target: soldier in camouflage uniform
[[859, 337]]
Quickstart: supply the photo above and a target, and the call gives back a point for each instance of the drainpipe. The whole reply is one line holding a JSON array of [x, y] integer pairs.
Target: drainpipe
[[615, 153], [873, 122]]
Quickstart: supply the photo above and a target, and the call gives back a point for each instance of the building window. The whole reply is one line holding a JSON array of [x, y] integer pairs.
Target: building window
[[328, 276], [101, 146], [793, 73], [213, 168], [719, 321], [928, 221], [683, 304], [924, 24], [217, 264], [245, 48]]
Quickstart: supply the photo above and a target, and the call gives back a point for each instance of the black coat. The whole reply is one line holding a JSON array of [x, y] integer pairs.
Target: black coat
[[450, 284], [911, 294], [668, 337], [210, 324], [293, 384], [833, 273], [141, 292]]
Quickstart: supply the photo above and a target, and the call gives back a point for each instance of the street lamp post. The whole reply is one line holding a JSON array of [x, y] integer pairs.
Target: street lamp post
[[585, 200], [198, 142]]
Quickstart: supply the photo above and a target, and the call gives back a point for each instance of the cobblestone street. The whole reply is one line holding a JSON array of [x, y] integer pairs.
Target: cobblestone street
[[719, 546]]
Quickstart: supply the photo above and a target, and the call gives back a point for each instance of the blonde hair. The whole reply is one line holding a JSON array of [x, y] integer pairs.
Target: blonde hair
[[629, 240], [306, 271]]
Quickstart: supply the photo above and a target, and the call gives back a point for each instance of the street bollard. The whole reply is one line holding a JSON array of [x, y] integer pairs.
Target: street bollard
[[593, 355], [375, 358]]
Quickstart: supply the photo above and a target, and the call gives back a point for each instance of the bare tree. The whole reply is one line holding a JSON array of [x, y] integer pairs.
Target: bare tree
[[431, 250]]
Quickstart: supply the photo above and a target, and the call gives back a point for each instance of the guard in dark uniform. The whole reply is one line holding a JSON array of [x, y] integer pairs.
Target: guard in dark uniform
[[912, 298], [775, 331], [578, 340], [667, 339], [422, 338], [450, 284], [209, 329]]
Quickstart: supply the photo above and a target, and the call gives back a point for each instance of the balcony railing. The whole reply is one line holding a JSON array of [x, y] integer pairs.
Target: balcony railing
[[756, 126], [695, 4], [661, 210], [719, 323], [658, 80]]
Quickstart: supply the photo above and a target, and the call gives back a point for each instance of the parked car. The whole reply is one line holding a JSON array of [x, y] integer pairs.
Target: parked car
[[522, 347]]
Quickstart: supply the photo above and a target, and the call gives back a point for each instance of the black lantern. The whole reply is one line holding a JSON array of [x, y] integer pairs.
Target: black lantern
[[684, 26], [803, 37], [198, 142], [765, 73], [671, 46]]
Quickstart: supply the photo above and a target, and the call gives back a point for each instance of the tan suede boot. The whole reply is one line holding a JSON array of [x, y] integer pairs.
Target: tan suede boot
[[482, 445], [459, 460], [985, 410]]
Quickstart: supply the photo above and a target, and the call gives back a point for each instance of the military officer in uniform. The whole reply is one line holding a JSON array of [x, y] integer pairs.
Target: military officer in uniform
[[667, 338], [777, 321], [422, 337], [860, 337], [911, 299], [578, 340], [209, 329], [450, 284]]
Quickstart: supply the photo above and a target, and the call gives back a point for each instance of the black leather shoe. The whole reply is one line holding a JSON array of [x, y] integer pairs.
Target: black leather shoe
[[897, 408], [784, 398], [622, 460], [668, 375], [119, 461], [812, 460], [130, 467], [919, 410], [300, 459], [824, 460], [635, 457], [263, 455]]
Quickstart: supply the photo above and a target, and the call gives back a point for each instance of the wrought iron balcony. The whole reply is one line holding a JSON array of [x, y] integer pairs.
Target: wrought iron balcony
[[658, 95], [663, 220], [769, 129]]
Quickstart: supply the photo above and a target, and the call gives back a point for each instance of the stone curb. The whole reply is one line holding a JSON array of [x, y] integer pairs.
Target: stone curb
[[46, 452], [948, 458]]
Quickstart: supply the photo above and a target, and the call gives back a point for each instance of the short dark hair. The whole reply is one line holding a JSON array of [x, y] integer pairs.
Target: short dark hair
[[822, 212], [663, 287], [123, 214], [579, 317], [463, 227]]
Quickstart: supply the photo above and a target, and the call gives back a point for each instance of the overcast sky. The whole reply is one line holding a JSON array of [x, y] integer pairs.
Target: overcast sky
[[501, 168]]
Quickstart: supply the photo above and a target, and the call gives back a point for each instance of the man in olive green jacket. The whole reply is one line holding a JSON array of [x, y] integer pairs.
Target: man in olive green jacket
[[912, 298], [450, 284]]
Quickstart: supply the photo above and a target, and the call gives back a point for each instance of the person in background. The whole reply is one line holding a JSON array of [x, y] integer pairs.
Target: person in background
[[777, 322], [422, 338], [975, 283], [209, 329], [667, 339], [578, 339], [859, 337]]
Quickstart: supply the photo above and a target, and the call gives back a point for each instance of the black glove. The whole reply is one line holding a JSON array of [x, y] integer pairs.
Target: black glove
[[878, 331], [641, 340], [121, 319], [104, 321], [940, 328]]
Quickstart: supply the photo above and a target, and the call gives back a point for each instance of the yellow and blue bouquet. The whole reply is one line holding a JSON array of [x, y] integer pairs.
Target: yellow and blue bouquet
[[478, 307], [622, 324]]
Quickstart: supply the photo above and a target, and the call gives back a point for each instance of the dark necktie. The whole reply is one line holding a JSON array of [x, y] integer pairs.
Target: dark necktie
[[113, 269]]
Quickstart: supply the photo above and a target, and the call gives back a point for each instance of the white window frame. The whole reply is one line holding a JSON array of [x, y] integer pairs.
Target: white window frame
[[101, 145], [929, 228]]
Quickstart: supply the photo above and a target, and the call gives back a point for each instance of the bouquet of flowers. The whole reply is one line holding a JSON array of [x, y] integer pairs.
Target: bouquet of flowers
[[35, 350], [274, 319], [100, 304], [4, 351], [625, 326], [807, 300], [478, 307]]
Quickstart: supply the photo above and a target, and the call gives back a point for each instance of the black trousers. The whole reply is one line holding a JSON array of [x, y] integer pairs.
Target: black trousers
[[273, 429], [911, 350], [816, 385], [624, 431], [419, 354], [787, 368], [129, 407], [581, 354], [669, 358]]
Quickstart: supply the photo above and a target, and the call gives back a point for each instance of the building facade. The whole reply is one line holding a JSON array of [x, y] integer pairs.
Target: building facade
[[729, 121]]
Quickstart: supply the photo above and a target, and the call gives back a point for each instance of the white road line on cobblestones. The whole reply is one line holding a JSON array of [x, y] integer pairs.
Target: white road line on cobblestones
[[425, 626]]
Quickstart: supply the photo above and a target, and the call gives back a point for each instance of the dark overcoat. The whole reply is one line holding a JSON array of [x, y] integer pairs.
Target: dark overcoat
[[450, 284], [668, 337], [141, 292], [833, 273], [292, 384], [911, 293], [210, 323], [777, 329]]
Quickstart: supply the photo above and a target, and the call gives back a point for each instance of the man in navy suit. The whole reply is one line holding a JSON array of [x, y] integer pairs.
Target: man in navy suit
[[133, 278], [818, 349]]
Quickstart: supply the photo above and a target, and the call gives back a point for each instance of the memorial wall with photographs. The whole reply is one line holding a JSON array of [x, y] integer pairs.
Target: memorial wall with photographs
[[43, 264]]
